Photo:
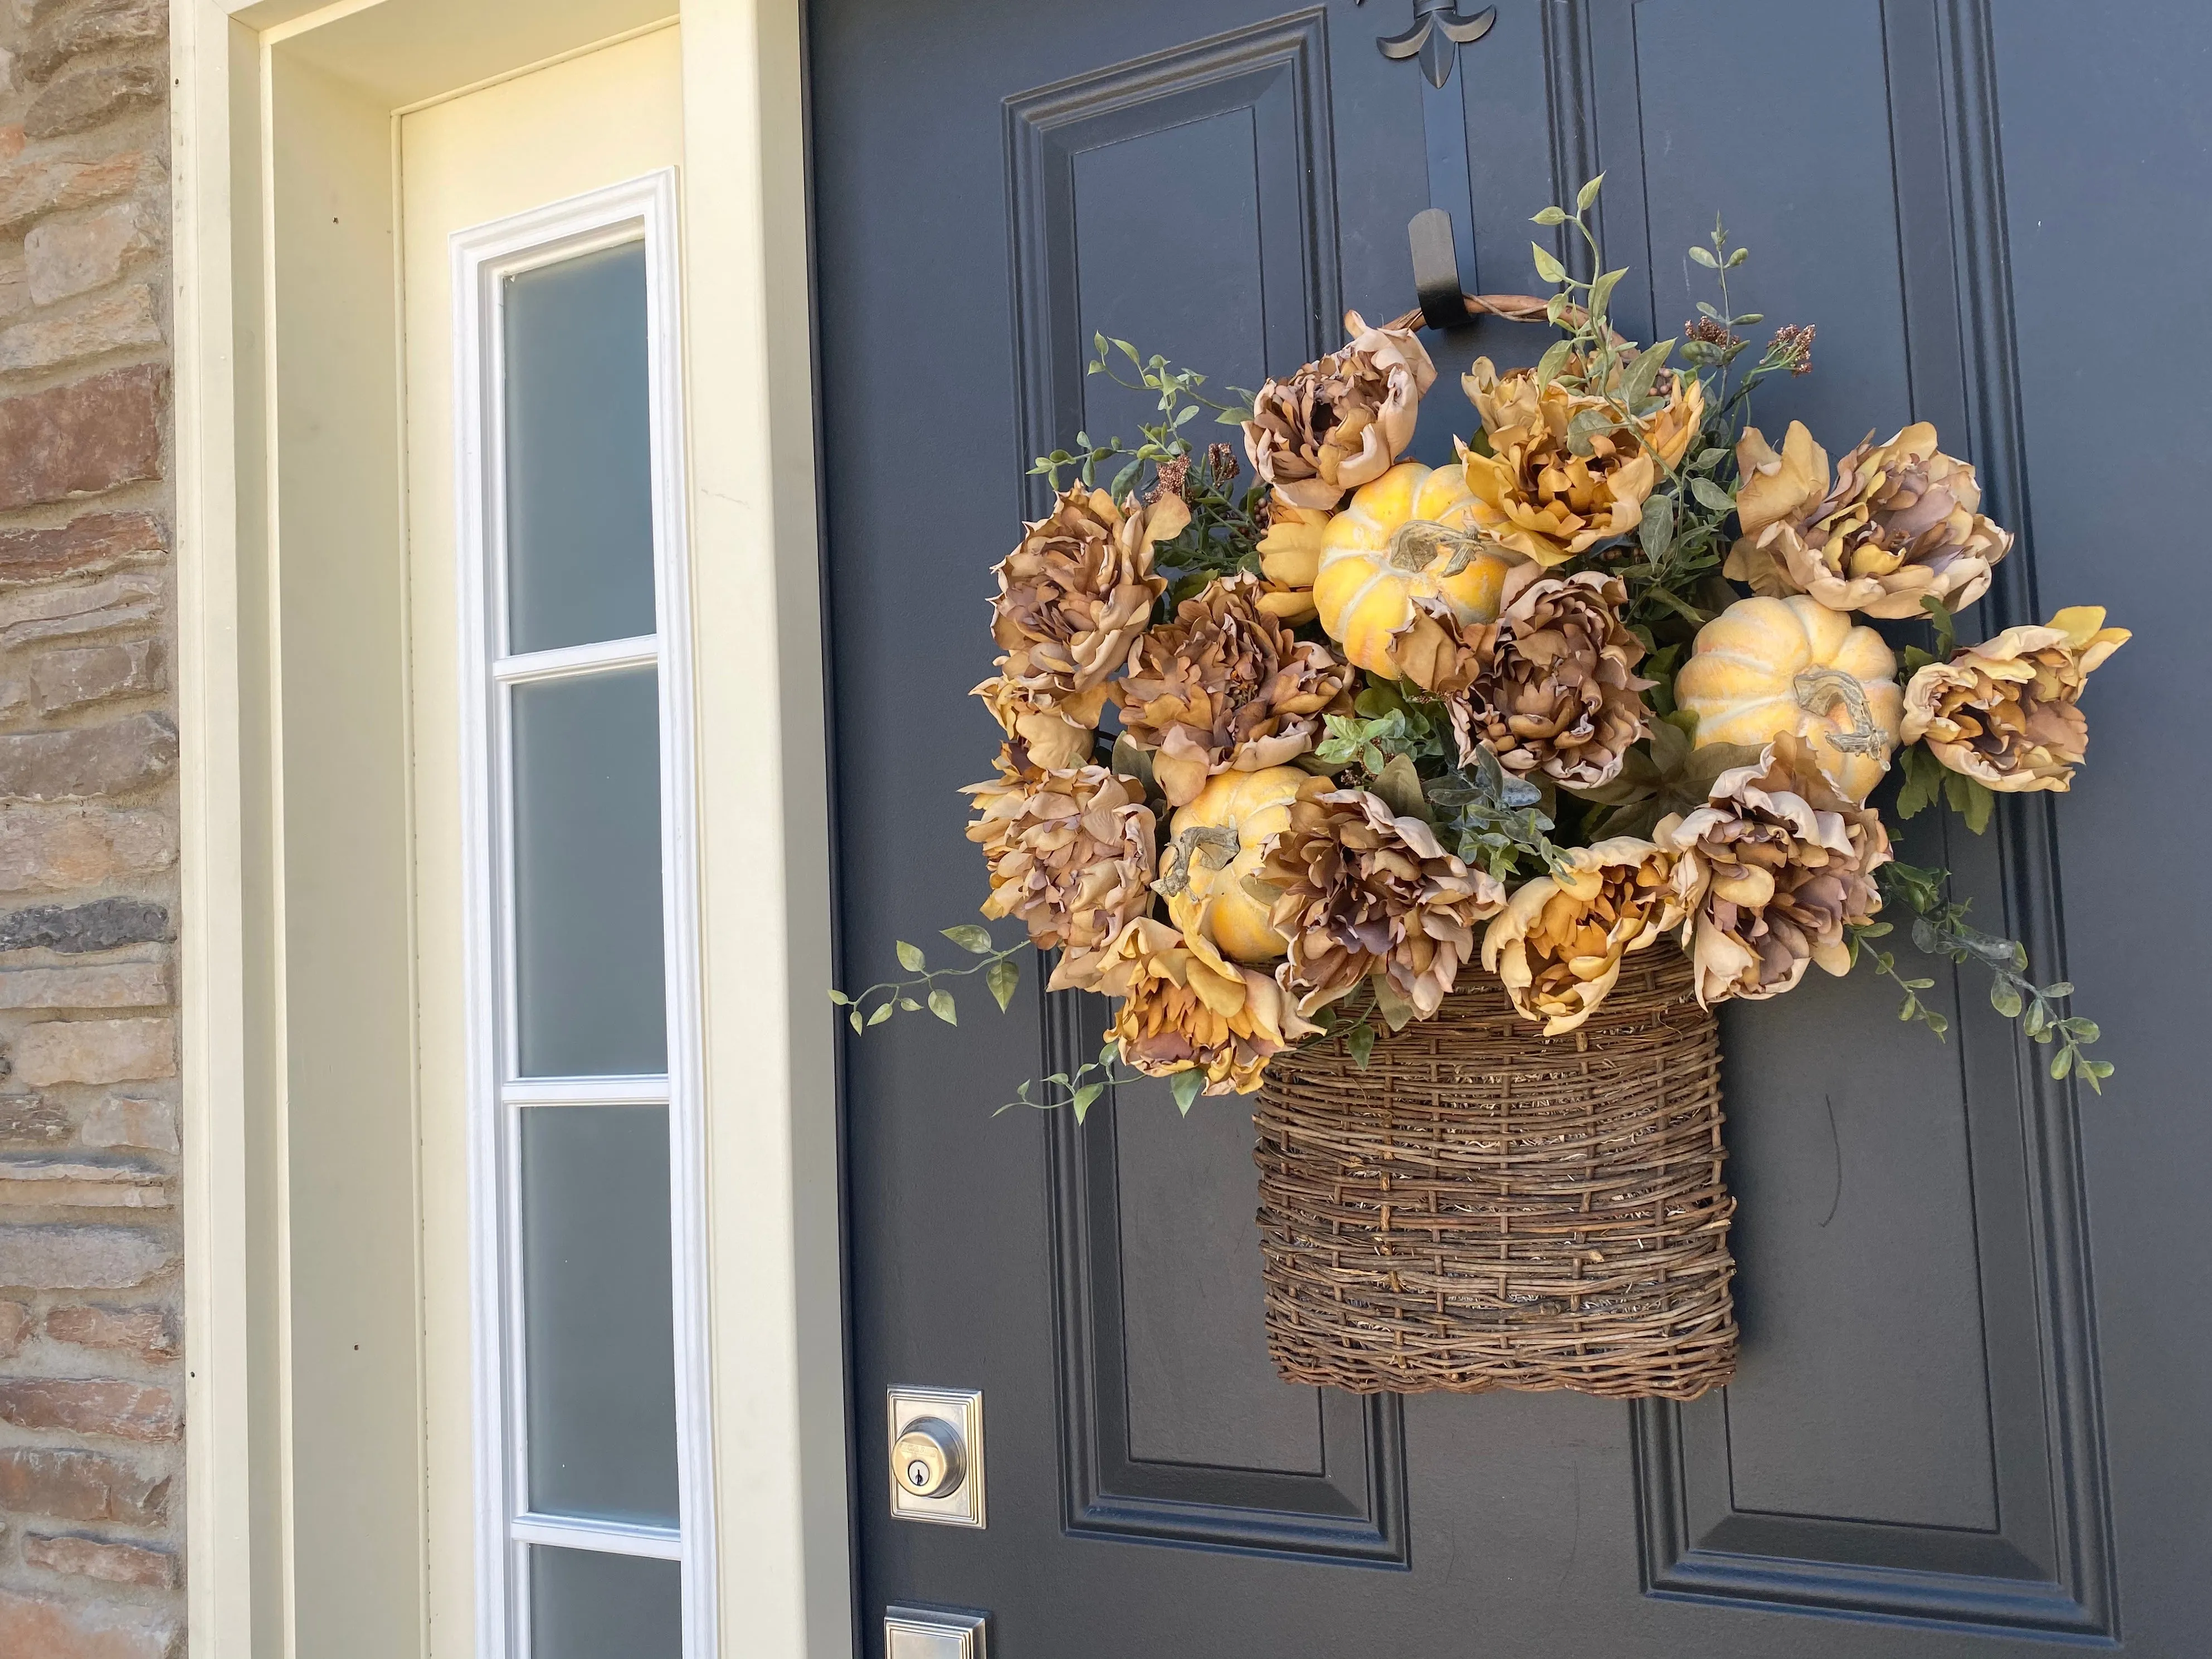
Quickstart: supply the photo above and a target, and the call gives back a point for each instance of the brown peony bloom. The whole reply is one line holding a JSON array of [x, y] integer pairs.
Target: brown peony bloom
[[1338, 423], [1224, 686], [1365, 893], [1560, 943], [1534, 494], [1073, 597], [1900, 523], [1071, 855], [1183, 1007], [2003, 712], [1781, 862], [1550, 686]]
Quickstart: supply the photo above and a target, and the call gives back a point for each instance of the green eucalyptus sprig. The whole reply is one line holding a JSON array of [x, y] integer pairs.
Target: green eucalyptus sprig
[[1078, 1090], [1939, 928], [1001, 974]]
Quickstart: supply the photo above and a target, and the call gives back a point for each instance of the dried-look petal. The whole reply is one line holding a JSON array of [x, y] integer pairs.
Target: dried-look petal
[[1365, 892], [2004, 711], [1534, 494], [1558, 946], [1070, 855], [1781, 862], [1341, 422], [1183, 1006], [1901, 522], [1051, 726], [1225, 686], [1550, 687]]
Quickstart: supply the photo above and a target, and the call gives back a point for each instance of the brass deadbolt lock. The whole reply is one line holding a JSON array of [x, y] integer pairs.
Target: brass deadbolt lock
[[936, 1441], [928, 1458]]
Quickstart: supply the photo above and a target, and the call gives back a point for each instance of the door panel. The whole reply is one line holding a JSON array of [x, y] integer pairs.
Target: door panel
[[1911, 1460]]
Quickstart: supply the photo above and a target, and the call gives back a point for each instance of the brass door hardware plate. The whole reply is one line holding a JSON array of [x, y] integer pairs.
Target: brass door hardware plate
[[933, 1633], [936, 1439]]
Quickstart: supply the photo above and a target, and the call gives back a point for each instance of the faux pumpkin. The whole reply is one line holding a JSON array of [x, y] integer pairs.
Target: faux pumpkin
[[1393, 544], [1216, 842], [1767, 666]]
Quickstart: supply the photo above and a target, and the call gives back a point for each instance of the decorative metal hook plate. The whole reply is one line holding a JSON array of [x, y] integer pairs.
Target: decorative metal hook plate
[[1437, 34]]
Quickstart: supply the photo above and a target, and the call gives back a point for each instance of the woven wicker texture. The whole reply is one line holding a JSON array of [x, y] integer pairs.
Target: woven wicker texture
[[1486, 1207]]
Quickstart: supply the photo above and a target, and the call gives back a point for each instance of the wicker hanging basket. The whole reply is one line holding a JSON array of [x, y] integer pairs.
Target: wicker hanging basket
[[1485, 1208]]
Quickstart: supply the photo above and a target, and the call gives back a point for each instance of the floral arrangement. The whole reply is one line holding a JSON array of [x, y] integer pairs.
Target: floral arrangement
[[1295, 760]]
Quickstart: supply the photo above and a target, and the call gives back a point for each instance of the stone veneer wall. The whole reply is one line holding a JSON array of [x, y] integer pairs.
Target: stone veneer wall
[[91, 1382]]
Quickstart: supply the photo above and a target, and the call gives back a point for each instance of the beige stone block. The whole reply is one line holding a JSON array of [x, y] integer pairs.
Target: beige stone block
[[116, 322], [108, 1560], [62, 1183], [95, 1051], [62, 680], [46, 849], [87, 761], [78, 253], [129, 1120], [31, 186], [125, 598], [86, 97], [15, 1326], [87, 985], [51, 1629], [65, 1258]]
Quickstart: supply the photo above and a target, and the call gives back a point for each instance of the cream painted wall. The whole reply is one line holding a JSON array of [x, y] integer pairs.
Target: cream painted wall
[[611, 115]]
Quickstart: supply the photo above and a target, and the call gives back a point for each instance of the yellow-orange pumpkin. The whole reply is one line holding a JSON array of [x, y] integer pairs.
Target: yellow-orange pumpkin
[[1248, 806], [1765, 665], [1391, 545]]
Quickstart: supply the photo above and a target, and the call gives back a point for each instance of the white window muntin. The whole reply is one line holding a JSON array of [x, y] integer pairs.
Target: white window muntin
[[642, 210]]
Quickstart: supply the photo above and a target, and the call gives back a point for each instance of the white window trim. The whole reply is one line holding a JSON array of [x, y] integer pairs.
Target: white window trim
[[644, 209]]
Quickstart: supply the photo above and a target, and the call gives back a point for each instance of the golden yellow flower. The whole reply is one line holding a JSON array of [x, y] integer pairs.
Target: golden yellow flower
[[1339, 422], [1183, 1007], [1535, 494], [1781, 862], [1289, 558], [2004, 711], [1559, 944], [1071, 855], [1901, 522]]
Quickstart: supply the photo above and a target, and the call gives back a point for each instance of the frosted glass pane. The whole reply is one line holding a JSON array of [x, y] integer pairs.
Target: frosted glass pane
[[598, 1312], [588, 1606], [579, 452], [587, 876]]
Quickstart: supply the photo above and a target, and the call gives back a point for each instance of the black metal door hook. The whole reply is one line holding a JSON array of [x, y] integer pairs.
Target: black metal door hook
[[1436, 269]]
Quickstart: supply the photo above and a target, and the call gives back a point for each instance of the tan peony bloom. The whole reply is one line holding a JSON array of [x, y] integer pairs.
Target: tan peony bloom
[[1224, 686], [1071, 855], [1051, 727], [1900, 523], [1560, 943], [1338, 423], [1289, 558], [1183, 1007], [2004, 711], [1550, 686], [1534, 494], [1073, 597], [1781, 862], [1365, 893]]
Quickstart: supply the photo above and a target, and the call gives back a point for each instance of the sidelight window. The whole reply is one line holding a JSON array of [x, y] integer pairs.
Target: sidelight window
[[588, 1299]]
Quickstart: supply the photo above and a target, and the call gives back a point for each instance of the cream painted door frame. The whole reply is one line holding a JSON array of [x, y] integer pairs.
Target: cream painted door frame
[[317, 1200]]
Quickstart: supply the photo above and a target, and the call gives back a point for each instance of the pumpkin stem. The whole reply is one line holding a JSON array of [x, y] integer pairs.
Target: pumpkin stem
[[1419, 543], [1820, 690], [1210, 844]]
